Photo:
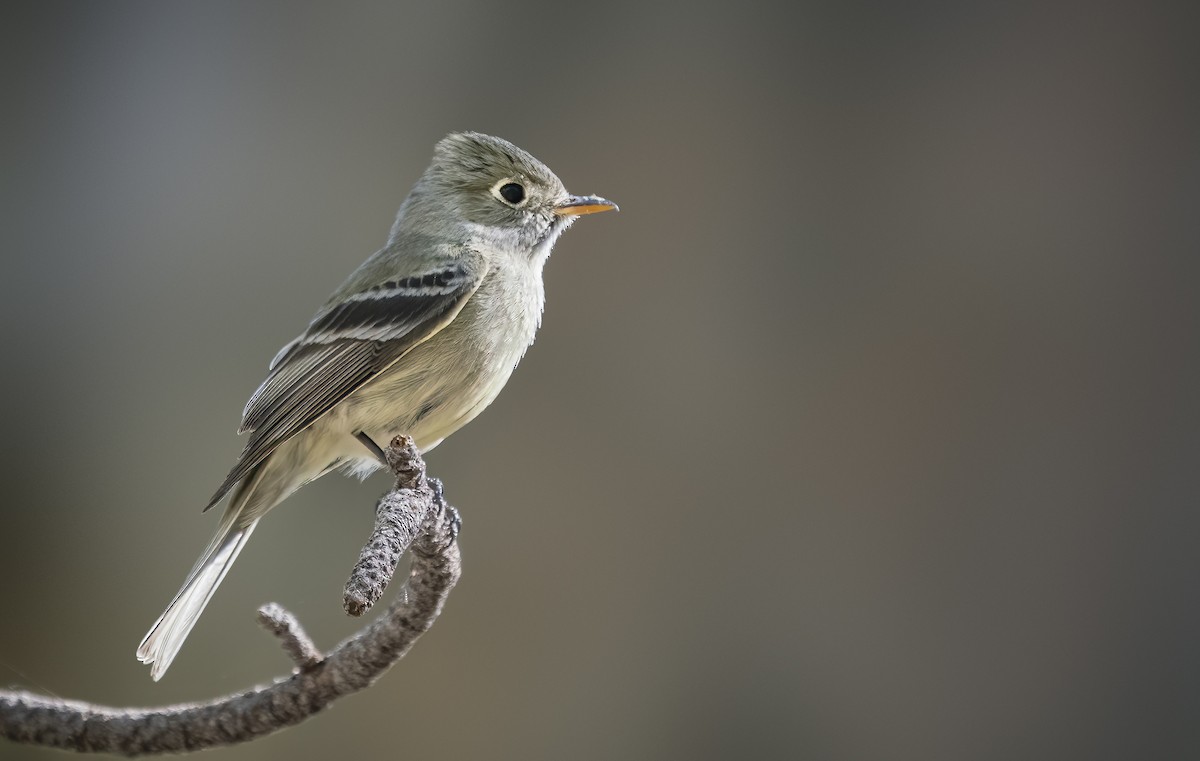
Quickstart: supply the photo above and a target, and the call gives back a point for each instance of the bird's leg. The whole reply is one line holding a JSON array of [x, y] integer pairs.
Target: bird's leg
[[372, 447]]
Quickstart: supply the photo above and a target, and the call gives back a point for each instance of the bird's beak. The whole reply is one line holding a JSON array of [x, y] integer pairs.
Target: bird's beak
[[579, 205]]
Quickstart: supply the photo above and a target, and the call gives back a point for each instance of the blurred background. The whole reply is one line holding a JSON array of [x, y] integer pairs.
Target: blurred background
[[868, 429]]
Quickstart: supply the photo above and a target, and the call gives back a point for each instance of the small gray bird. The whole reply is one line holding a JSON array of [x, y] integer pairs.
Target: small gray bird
[[418, 341]]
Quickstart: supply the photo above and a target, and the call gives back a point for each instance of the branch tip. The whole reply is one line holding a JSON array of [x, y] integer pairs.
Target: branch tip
[[404, 459], [292, 637]]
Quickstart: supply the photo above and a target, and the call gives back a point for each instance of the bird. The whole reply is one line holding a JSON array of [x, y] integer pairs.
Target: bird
[[417, 341]]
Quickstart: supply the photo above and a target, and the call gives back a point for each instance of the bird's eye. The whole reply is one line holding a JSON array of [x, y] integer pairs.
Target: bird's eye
[[512, 193]]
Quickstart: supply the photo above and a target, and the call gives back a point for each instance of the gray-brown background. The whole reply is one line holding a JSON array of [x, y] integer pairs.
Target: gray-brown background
[[868, 429]]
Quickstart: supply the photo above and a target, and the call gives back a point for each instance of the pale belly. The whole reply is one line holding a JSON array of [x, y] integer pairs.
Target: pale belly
[[429, 403], [439, 386]]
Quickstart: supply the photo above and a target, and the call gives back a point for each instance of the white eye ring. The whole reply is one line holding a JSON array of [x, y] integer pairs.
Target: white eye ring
[[517, 189]]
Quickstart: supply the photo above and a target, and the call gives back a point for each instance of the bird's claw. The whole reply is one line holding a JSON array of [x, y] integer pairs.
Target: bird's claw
[[453, 522]]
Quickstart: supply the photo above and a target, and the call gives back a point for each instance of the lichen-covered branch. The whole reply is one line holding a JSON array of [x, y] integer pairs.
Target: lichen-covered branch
[[317, 681], [397, 524]]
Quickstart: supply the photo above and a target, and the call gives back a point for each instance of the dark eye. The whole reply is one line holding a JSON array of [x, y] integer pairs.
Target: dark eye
[[513, 193]]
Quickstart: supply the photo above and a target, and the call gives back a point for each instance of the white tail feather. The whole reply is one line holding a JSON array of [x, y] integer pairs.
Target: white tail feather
[[161, 644], [164, 639]]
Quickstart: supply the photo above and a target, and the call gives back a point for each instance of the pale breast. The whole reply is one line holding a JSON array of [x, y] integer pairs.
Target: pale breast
[[445, 382]]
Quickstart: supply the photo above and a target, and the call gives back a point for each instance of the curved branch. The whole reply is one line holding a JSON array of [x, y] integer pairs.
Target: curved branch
[[414, 504]]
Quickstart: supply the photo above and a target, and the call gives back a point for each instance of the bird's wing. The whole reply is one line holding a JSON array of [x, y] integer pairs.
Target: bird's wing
[[348, 343]]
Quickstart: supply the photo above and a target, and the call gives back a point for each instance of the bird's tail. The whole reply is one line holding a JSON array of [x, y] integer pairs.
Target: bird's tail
[[164, 639]]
